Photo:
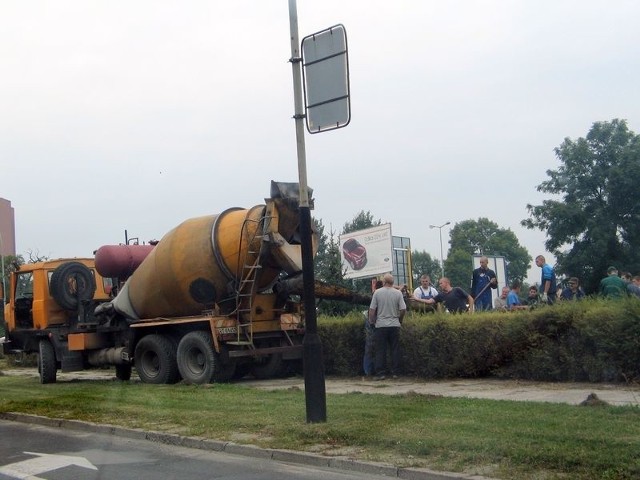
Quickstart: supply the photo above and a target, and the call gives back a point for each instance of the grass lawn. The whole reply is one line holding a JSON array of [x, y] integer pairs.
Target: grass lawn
[[501, 439]]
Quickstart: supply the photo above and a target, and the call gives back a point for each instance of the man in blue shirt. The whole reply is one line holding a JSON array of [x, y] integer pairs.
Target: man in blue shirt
[[547, 281], [513, 298]]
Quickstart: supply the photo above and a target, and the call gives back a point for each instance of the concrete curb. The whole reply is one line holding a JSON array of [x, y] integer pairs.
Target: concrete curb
[[287, 456]]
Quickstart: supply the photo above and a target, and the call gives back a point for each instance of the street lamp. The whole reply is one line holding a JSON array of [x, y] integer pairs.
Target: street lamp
[[4, 286], [439, 227]]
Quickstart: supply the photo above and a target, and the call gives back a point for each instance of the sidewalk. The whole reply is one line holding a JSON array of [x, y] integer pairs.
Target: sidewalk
[[492, 389], [517, 390]]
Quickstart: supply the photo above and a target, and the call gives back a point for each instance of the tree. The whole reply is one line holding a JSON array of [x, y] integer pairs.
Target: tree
[[34, 256], [458, 268], [328, 263], [322, 260], [361, 221], [421, 264], [11, 264], [594, 219], [484, 237], [328, 268]]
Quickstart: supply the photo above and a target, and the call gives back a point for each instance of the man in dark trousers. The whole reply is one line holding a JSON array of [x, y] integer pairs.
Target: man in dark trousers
[[483, 280], [386, 312], [369, 362]]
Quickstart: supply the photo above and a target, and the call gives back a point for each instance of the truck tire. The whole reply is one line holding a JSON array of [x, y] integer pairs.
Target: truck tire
[[155, 360], [224, 372], [72, 281], [242, 370], [47, 365], [268, 366], [123, 372], [197, 359]]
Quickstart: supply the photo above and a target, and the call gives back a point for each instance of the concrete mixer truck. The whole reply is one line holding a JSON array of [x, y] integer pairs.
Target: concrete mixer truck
[[215, 299]]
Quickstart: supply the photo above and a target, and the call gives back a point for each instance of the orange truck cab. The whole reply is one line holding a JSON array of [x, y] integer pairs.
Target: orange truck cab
[[32, 304], [52, 299]]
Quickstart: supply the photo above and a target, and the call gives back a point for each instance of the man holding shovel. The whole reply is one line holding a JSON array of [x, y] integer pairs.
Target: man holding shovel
[[483, 280]]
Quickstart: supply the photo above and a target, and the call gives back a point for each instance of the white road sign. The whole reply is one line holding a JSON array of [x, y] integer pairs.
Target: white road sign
[[325, 69]]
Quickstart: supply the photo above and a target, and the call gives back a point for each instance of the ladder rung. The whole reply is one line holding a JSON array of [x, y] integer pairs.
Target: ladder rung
[[247, 288]]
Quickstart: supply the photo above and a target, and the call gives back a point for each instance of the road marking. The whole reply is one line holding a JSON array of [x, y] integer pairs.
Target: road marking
[[44, 462]]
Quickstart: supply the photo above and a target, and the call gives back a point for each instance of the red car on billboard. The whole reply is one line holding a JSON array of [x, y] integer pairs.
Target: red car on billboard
[[354, 253]]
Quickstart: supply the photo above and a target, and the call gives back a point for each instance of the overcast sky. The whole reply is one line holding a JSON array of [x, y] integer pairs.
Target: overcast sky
[[138, 115]]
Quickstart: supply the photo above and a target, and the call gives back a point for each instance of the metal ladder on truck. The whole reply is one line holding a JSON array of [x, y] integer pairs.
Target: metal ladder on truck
[[247, 286]]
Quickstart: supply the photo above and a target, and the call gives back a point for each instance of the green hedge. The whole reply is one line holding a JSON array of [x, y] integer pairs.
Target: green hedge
[[592, 340]]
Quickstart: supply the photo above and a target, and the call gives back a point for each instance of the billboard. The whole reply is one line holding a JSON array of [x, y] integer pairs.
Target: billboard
[[366, 253]]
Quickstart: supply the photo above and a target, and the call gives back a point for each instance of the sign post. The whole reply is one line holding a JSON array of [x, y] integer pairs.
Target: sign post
[[327, 107], [314, 385]]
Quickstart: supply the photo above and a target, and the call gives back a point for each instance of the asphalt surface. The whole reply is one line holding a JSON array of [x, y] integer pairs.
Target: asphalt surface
[[37, 452], [570, 393]]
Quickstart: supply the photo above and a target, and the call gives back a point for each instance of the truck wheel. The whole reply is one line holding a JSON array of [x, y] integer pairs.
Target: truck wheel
[[72, 281], [196, 358], [242, 370], [224, 372], [123, 372], [267, 366], [47, 366], [155, 359]]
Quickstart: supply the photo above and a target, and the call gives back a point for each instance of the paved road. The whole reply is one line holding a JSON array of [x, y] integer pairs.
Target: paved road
[[33, 451]]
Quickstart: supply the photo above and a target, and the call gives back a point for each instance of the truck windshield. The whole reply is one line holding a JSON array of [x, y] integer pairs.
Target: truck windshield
[[24, 285]]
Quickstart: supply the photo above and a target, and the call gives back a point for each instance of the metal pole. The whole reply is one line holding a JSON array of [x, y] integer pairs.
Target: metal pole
[[314, 385], [441, 254], [4, 283], [439, 227]]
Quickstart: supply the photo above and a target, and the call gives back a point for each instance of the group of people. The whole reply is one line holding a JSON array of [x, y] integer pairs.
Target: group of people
[[618, 286], [385, 315], [387, 309], [483, 281], [509, 300], [454, 299], [547, 294]]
